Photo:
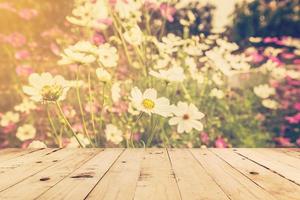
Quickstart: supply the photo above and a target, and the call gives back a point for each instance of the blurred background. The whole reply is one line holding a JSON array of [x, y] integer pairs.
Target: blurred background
[[33, 32]]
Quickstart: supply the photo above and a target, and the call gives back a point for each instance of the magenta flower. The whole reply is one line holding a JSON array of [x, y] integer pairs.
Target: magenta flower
[[22, 55], [257, 58], [98, 39], [167, 11], [220, 142], [287, 55], [294, 119], [16, 39], [9, 128], [298, 141], [204, 138], [28, 13], [283, 141], [276, 60], [297, 106], [24, 70], [296, 61]]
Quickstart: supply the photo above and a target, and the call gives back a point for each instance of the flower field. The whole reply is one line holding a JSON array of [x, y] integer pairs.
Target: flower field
[[145, 73]]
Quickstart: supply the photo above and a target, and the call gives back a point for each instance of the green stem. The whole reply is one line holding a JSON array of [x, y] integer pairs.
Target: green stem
[[68, 123], [131, 135], [187, 95], [152, 131], [58, 140], [80, 107], [91, 100], [102, 107]]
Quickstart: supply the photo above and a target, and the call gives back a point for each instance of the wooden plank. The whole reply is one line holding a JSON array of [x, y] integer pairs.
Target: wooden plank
[[16, 175], [78, 184], [287, 171], [157, 179], [280, 157], [294, 152], [120, 181], [11, 153], [274, 184], [233, 183], [25, 159], [35, 185], [193, 181]]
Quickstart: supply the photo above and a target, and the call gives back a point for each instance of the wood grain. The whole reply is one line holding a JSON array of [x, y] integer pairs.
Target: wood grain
[[273, 183], [154, 174], [78, 184], [271, 163]]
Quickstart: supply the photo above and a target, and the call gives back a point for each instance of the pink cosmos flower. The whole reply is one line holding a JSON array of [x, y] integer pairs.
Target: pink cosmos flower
[[276, 60], [78, 128], [287, 55], [16, 39], [91, 107], [98, 39], [220, 142], [167, 11], [69, 111], [298, 141], [54, 48], [22, 55], [120, 107], [270, 40], [285, 104], [293, 119], [137, 136], [283, 141], [297, 106], [9, 128], [24, 70], [204, 138], [28, 14], [296, 61], [257, 58]]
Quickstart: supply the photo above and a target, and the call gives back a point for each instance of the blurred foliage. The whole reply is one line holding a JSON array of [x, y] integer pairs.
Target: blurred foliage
[[264, 18], [195, 16]]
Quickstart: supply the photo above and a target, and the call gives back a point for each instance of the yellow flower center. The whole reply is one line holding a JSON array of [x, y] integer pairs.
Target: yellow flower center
[[51, 92], [148, 104]]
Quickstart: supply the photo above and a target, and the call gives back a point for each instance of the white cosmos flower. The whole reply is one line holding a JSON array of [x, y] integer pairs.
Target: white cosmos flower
[[219, 94], [174, 74], [113, 134], [269, 103], [26, 106], [74, 143], [134, 36], [149, 103], [45, 87], [103, 75], [82, 52], [26, 132], [107, 55], [90, 14], [127, 9], [36, 144], [264, 91], [9, 118], [186, 117]]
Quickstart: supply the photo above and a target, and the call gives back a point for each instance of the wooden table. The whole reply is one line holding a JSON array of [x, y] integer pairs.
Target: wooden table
[[150, 174]]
